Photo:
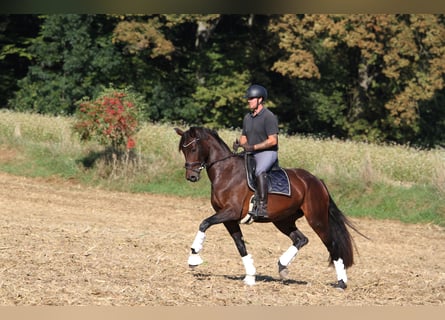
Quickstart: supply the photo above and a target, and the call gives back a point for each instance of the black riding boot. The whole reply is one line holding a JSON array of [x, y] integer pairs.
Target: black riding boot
[[262, 189]]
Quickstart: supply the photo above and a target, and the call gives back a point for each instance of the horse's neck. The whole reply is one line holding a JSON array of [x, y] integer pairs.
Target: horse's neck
[[217, 152], [219, 159]]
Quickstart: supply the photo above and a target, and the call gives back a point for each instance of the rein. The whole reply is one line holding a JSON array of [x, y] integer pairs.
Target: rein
[[202, 165], [216, 161]]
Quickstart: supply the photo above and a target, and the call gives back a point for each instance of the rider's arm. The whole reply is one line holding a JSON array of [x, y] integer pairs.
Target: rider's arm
[[270, 142]]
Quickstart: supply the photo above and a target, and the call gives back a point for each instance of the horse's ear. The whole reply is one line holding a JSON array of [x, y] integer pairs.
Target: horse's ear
[[179, 131]]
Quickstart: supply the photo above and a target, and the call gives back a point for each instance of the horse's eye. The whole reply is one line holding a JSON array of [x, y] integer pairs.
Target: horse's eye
[[193, 150]]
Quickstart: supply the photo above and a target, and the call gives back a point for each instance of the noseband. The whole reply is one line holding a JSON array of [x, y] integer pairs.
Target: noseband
[[190, 165]]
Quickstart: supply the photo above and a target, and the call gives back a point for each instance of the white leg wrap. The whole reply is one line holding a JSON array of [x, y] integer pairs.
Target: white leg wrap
[[198, 242], [340, 269], [250, 270], [248, 265], [287, 257]]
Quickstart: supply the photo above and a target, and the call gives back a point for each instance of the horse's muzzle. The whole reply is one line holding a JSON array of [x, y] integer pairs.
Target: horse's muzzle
[[193, 173], [193, 177]]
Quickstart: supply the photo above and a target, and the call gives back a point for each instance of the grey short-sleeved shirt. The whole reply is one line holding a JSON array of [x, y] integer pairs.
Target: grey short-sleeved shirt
[[258, 128]]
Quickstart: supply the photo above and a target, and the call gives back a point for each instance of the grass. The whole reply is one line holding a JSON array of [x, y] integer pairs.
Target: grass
[[366, 180], [411, 205]]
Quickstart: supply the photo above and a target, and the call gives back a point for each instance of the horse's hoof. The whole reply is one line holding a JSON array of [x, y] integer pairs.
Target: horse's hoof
[[283, 271], [341, 285], [249, 280]]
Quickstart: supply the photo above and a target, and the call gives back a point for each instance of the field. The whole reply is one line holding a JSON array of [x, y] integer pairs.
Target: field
[[72, 234], [376, 181], [64, 244]]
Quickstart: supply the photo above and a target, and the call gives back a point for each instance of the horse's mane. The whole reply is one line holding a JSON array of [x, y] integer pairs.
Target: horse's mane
[[201, 133]]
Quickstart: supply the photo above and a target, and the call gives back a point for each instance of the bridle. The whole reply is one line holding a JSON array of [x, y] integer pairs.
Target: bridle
[[198, 166], [190, 165]]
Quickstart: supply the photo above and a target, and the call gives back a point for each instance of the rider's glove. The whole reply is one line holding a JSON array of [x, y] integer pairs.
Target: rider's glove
[[247, 147]]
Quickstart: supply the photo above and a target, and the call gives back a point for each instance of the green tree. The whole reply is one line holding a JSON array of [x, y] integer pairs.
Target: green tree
[[72, 56], [359, 76], [200, 65], [157, 63], [395, 64], [223, 68], [16, 31]]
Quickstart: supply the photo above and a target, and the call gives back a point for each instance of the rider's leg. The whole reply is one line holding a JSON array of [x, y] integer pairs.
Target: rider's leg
[[264, 161], [262, 187]]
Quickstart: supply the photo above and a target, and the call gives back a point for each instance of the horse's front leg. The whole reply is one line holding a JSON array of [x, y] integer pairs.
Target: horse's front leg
[[234, 229], [195, 259], [237, 236]]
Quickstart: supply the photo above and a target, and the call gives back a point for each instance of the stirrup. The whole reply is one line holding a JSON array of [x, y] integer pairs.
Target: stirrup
[[252, 205], [260, 212]]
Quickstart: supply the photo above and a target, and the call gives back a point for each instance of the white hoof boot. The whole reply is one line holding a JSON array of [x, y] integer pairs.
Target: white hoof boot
[[250, 270], [249, 280], [194, 260]]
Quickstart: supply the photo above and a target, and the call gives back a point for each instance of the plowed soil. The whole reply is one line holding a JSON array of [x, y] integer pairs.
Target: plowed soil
[[64, 244]]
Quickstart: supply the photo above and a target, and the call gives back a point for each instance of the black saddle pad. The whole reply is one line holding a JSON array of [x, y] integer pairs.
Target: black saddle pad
[[277, 178]]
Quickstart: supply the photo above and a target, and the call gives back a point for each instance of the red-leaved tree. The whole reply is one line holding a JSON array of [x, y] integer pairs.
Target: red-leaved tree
[[111, 119]]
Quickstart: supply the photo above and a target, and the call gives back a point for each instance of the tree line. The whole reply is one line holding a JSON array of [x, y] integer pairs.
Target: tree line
[[367, 77]]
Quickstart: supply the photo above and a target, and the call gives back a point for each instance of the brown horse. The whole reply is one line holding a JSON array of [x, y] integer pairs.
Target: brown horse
[[230, 198]]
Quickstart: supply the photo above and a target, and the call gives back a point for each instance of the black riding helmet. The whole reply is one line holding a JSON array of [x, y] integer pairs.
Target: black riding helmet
[[256, 91]]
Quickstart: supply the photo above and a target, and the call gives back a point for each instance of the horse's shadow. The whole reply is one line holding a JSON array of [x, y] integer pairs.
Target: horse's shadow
[[89, 160], [109, 155], [259, 278]]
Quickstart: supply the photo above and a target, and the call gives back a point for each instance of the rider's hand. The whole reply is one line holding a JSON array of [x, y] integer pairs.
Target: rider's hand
[[247, 147]]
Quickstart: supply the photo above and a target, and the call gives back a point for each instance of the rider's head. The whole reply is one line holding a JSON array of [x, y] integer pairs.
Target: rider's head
[[256, 95], [256, 91]]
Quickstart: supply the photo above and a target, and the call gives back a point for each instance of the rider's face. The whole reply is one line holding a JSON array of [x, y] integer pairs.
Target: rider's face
[[253, 103]]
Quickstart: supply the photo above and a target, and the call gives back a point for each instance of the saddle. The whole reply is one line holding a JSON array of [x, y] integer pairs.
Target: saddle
[[277, 178]]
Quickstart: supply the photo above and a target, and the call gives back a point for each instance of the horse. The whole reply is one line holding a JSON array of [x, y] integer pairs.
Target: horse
[[230, 198]]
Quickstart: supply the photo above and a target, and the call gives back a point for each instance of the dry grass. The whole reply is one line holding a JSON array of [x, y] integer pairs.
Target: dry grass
[[439, 175], [37, 128], [44, 146], [157, 146]]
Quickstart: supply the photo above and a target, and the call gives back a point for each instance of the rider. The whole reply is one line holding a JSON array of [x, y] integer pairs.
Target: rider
[[260, 137]]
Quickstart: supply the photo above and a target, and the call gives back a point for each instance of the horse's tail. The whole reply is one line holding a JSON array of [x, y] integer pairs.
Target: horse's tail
[[342, 245]]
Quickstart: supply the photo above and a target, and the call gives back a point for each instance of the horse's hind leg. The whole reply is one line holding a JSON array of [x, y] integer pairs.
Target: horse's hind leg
[[299, 240], [329, 224]]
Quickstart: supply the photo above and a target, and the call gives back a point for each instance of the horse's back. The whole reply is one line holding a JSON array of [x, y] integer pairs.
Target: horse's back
[[300, 174], [302, 181]]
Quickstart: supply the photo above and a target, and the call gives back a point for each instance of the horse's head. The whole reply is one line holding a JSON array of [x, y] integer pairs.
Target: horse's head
[[191, 145]]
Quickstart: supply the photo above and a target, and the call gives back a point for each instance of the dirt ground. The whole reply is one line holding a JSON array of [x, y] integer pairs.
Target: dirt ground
[[64, 244]]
